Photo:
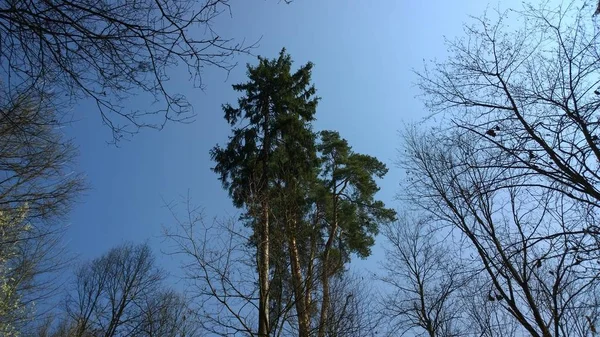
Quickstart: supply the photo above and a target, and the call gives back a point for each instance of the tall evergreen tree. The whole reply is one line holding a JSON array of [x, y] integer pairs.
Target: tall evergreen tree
[[303, 208], [353, 215], [271, 140]]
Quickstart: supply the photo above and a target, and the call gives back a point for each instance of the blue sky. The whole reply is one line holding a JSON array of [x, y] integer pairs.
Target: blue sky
[[364, 52]]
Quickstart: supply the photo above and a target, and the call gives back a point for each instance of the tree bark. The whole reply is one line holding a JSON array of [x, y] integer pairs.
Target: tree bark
[[263, 275], [325, 275], [263, 247], [301, 305]]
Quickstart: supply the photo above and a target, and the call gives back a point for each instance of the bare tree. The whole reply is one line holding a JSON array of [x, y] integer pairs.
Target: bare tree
[[352, 310], [122, 293], [524, 240], [109, 50], [514, 167], [50, 328], [530, 93], [221, 269], [37, 188], [482, 317], [119, 294], [423, 278], [168, 314], [35, 159]]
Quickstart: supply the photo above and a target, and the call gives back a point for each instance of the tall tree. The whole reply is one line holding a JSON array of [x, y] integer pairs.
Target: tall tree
[[219, 268], [423, 279], [352, 308], [121, 293], [269, 128], [352, 214], [295, 170], [515, 169]]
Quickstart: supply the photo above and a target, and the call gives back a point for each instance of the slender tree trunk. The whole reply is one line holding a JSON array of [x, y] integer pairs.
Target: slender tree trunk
[[325, 279], [310, 270], [263, 275], [324, 302], [263, 269], [297, 282], [326, 263]]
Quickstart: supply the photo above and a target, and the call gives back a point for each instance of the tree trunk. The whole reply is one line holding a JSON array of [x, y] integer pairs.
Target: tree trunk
[[297, 282], [263, 275], [324, 303], [264, 263], [325, 280], [310, 271]]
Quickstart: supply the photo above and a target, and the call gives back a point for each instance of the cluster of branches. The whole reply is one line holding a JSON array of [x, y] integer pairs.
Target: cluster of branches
[[109, 50], [104, 50], [309, 204], [506, 188], [220, 268], [53, 53], [37, 188], [121, 293]]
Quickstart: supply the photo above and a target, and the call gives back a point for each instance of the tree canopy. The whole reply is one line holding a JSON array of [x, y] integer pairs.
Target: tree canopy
[[309, 199]]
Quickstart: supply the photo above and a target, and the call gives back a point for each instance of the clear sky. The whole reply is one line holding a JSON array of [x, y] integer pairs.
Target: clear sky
[[364, 52]]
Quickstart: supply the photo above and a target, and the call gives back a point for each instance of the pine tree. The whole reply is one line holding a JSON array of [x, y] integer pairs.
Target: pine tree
[[353, 215]]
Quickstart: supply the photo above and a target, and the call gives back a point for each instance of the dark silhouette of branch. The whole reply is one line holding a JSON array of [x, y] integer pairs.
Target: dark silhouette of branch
[[109, 51]]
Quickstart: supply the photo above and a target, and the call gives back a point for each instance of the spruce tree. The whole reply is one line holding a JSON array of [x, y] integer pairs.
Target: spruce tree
[[271, 139]]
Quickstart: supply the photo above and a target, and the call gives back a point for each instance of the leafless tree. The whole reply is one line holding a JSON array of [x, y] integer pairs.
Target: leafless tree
[[523, 239], [120, 294], [108, 51], [219, 265], [352, 309], [168, 314], [423, 278], [37, 188], [35, 159], [50, 328], [482, 317], [221, 269], [514, 166], [530, 93]]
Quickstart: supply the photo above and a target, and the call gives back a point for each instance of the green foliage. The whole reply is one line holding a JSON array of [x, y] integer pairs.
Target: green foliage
[[309, 200], [270, 153], [348, 190], [276, 105]]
